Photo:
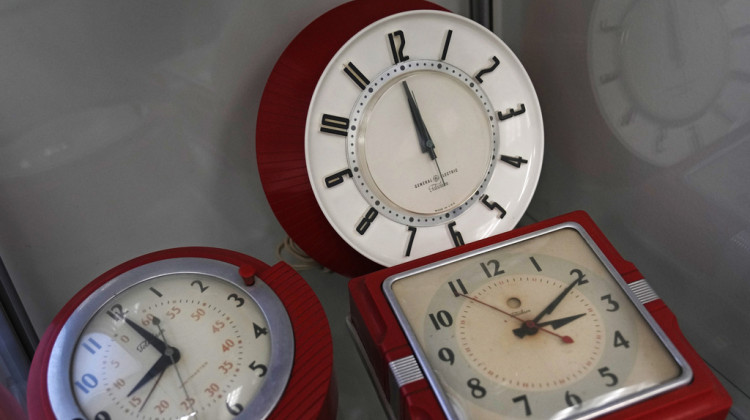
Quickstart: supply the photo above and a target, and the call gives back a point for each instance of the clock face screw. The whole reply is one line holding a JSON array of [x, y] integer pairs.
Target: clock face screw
[[247, 272]]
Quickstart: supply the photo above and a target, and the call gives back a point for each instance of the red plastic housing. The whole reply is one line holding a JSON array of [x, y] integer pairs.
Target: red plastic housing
[[311, 391], [280, 131], [384, 341]]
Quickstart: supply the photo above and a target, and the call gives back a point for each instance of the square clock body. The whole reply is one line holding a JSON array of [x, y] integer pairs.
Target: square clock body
[[547, 321]]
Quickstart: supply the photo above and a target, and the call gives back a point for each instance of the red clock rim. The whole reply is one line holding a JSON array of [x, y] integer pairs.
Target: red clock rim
[[280, 130]]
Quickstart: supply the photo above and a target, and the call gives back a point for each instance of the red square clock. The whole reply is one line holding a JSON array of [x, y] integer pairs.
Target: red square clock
[[546, 321]]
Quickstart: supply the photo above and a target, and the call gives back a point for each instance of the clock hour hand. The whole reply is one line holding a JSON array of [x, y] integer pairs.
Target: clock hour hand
[[558, 323], [530, 327], [425, 141]]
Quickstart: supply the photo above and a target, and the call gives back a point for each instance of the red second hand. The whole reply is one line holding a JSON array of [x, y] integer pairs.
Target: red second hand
[[565, 338]]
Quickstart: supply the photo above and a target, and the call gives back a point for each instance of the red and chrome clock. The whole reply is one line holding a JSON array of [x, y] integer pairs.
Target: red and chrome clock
[[189, 333], [547, 321], [391, 130]]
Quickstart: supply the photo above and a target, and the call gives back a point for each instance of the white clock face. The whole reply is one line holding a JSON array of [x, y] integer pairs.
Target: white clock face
[[424, 133], [178, 345], [669, 75], [536, 329]]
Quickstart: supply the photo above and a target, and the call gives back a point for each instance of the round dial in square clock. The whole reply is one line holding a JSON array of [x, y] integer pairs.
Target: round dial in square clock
[[572, 341], [423, 133], [184, 333], [545, 321]]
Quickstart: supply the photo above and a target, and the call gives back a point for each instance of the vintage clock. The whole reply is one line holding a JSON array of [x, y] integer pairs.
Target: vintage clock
[[388, 132], [189, 333], [547, 321]]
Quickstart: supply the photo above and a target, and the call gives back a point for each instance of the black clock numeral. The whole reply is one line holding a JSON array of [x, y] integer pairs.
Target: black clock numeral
[[458, 240], [477, 390], [413, 231], [261, 367], [605, 373], [240, 301], [458, 288], [511, 112], [572, 399], [535, 264], [398, 54], [366, 221], [495, 268], [493, 206], [200, 285], [441, 319], [259, 330], [491, 68], [333, 124], [516, 161], [353, 72], [116, 312], [525, 400], [446, 44], [580, 277], [613, 305], [235, 409], [445, 354], [337, 178], [620, 341]]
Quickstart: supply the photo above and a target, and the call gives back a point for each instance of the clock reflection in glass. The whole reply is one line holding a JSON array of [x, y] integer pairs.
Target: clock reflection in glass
[[143, 356], [668, 75]]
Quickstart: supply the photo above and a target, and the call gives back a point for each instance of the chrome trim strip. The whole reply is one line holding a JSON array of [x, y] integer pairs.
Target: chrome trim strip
[[643, 291], [405, 370]]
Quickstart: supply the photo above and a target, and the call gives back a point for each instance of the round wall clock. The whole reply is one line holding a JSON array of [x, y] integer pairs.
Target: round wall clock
[[421, 132], [544, 322], [669, 76], [188, 333]]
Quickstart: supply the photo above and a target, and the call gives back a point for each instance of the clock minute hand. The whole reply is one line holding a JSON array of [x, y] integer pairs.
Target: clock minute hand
[[425, 141], [158, 344]]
